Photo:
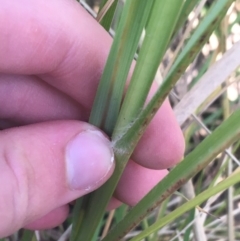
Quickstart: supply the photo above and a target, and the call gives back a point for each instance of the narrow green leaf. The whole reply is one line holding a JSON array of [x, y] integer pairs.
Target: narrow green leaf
[[186, 10], [102, 195], [223, 185], [145, 225], [28, 235], [107, 19], [205, 152], [120, 213], [107, 103], [138, 18], [78, 214], [110, 91], [189, 220], [161, 23], [160, 214], [98, 231]]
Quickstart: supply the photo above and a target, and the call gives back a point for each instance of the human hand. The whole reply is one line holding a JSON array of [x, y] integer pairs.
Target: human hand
[[52, 56]]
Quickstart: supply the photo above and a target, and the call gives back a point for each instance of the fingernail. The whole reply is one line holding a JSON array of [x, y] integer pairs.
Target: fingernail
[[89, 159]]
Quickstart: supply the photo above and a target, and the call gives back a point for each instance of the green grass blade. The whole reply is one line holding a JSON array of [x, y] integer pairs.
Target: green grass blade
[[28, 235], [108, 17], [160, 214], [107, 103], [120, 213], [162, 21], [145, 225], [78, 214], [142, 9], [219, 140], [189, 220], [110, 91], [103, 194], [186, 10], [223, 185]]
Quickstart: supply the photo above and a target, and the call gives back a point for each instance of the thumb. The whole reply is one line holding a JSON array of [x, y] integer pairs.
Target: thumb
[[45, 166]]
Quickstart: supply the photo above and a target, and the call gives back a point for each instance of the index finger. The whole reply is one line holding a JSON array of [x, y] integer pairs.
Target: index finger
[[57, 40], [67, 48]]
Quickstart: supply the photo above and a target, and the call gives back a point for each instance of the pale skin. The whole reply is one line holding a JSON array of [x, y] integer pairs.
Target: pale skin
[[52, 56]]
